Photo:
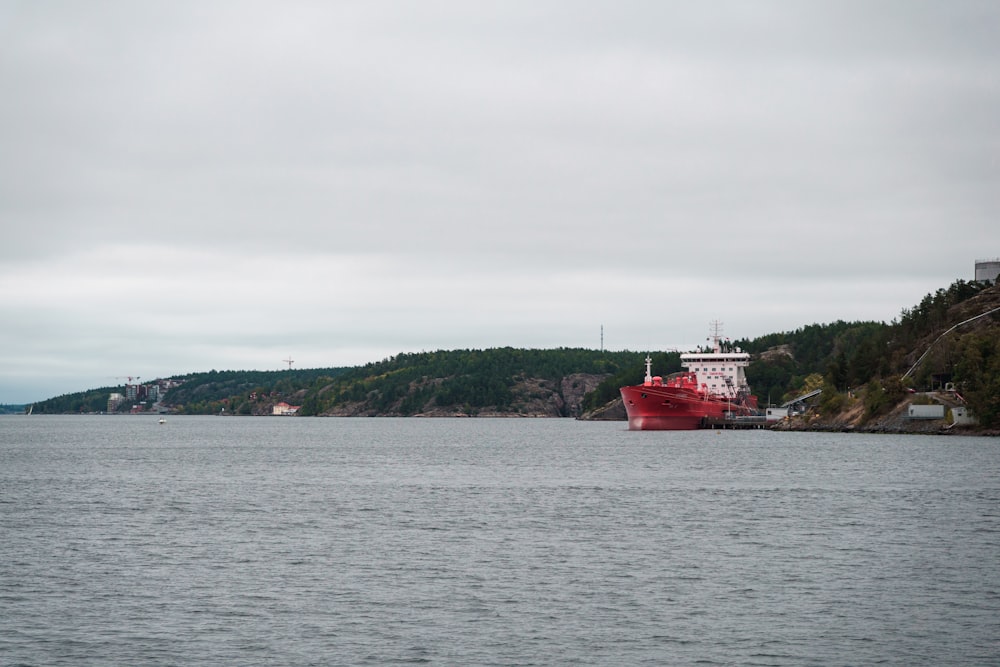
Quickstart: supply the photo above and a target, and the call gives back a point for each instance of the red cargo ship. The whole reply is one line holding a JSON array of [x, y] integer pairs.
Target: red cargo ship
[[713, 387]]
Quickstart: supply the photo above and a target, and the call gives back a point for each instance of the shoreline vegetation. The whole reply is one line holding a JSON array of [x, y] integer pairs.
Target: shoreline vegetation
[[944, 351]]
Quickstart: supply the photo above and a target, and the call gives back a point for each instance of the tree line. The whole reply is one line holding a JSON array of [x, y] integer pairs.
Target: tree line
[[870, 357], [873, 359], [410, 382]]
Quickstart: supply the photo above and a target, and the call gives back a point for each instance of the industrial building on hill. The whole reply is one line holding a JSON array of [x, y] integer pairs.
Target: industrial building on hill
[[987, 270]]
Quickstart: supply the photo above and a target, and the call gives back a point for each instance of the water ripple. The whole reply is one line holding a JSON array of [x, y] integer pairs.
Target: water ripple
[[491, 542]]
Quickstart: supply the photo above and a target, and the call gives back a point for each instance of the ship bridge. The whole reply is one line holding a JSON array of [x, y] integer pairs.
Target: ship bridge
[[722, 373]]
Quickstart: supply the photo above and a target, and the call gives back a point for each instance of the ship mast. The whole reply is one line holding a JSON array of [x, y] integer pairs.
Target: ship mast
[[716, 328]]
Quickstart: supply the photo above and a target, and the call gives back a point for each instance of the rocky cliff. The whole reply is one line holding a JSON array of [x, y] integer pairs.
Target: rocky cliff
[[533, 397]]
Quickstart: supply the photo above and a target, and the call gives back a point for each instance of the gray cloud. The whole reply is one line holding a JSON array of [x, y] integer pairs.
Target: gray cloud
[[195, 185]]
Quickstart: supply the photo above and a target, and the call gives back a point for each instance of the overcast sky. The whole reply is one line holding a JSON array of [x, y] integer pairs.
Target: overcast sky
[[187, 186]]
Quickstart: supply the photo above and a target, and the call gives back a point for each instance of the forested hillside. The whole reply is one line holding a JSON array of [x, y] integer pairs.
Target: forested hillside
[[873, 362], [241, 392], [877, 363], [92, 400], [198, 393], [492, 381], [868, 360], [851, 354], [501, 381]]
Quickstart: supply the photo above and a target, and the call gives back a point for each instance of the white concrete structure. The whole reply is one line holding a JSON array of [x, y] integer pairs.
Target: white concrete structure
[[960, 415], [926, 412], [987, 270], [775, 414]]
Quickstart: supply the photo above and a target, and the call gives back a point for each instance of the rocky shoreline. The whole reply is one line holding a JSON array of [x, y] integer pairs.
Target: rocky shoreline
[[935, 427], [896, 422]]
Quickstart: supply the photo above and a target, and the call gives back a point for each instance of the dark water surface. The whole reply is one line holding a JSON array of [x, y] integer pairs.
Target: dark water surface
[[297, 541]]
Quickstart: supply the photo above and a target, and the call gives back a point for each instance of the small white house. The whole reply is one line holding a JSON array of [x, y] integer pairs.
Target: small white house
[[284, 409]]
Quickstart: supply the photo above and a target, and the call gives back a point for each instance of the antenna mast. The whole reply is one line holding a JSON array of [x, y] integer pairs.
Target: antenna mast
[[716, 328]]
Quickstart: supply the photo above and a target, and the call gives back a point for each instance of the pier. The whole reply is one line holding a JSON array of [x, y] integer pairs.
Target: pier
[[754, 422]]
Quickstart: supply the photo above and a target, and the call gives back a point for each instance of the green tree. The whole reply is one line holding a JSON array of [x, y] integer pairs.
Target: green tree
[[977, 374], [832, 402]]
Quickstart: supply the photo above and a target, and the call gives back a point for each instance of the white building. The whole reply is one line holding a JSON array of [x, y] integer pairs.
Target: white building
[[775, 414], [987, 270], [960, 415], [926, 411]]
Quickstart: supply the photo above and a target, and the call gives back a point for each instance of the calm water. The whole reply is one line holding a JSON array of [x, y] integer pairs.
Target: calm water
[[296, 541]]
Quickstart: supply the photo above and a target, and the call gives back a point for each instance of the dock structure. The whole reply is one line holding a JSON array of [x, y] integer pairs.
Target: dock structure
[[802, 398], [736, 422]]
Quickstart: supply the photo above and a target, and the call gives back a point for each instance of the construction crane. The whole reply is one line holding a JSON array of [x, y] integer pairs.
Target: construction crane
[[289, 361]]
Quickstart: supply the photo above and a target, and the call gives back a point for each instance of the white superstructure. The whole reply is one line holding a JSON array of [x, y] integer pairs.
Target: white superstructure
[[719, 372]]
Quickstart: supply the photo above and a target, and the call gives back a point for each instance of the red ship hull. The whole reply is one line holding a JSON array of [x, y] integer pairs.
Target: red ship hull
[[712, 387], [664, 408]]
